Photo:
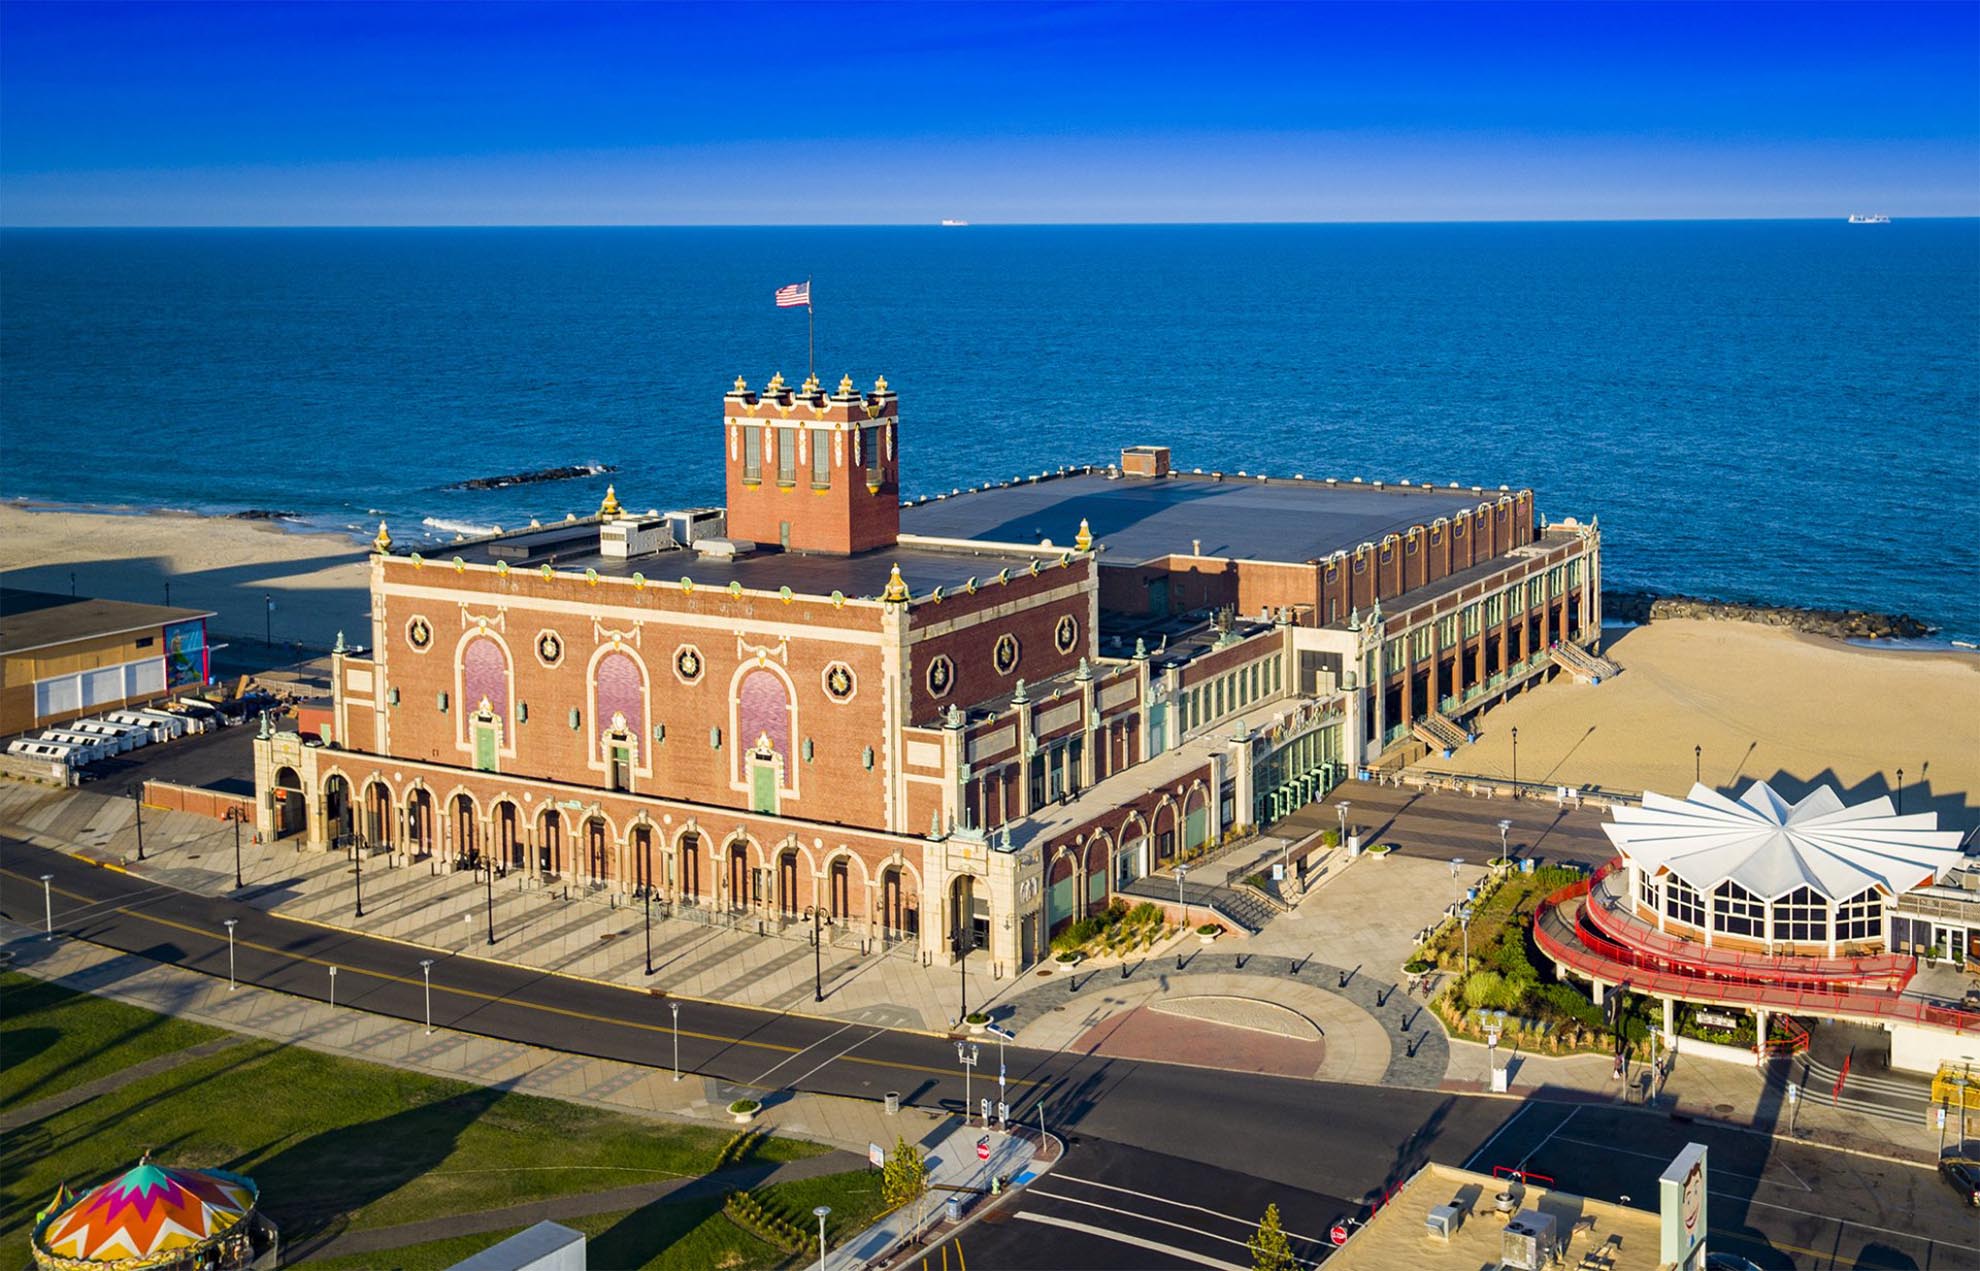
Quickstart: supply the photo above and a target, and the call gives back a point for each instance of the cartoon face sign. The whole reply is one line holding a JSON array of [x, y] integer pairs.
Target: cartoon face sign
[[1065, 634], [549, 648], [687, 663], [839, 682], [941, 676], [1004, 654], [419, 634]]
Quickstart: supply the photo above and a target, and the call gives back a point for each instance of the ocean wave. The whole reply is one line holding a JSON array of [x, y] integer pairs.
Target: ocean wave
[[441, 525]]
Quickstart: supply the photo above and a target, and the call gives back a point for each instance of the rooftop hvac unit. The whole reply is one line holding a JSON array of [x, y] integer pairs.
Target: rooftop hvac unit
[[1444, 1220], [691, 525], [634, 536], [1529, 1242]]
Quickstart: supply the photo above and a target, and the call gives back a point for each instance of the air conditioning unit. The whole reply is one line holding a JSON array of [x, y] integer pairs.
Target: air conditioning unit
[[691, 525], [1444, 1221], [634, 536], [1529, 1242]]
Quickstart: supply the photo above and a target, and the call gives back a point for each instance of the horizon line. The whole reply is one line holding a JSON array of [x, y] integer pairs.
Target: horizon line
[[922, 224]]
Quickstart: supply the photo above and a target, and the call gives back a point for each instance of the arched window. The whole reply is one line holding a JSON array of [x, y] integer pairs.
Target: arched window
[[1737, 911], [1802, 915], [763, 710], [485, 679], [618, 704]]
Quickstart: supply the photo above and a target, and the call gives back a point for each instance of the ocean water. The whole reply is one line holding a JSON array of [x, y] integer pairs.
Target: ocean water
[[1787, 411]]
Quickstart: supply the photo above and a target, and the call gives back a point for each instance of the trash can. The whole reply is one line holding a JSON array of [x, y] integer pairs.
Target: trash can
[[1526, 865], [893, 1102], [952, 1209]]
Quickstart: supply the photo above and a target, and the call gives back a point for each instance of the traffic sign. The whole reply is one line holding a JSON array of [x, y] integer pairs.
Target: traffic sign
[[1338, 1233], [1794, 1092], [983, 1148], [1942, 1116]]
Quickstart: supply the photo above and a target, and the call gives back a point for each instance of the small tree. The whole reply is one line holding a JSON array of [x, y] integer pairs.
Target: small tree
[[1270, 1250], [905, 1175]]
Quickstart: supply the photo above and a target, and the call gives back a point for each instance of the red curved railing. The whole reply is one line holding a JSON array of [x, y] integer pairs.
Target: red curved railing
[[1810, 972], [1599, 957]]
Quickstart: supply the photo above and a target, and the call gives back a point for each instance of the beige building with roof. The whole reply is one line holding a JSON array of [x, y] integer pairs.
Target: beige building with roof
[[64, 657]]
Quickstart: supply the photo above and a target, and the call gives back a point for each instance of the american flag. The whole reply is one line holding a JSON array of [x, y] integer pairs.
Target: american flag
[[795, 295]]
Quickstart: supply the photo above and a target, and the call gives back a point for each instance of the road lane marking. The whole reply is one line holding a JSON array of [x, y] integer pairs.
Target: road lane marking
[[1920, 1237], [1535, 1149], [1153, 1246], [1133, 1216], [1247, 1223], [495, 999], [794, 1054], [1524, 1108], [793, 1082], [1652, 1156]]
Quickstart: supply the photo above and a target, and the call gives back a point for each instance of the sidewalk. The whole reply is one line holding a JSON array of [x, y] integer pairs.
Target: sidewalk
[[850, 1124], [954, 1171], [1705, 1089]]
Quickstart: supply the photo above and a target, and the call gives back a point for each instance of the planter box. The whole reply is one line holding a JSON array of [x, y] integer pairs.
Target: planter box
[[976, 1028]]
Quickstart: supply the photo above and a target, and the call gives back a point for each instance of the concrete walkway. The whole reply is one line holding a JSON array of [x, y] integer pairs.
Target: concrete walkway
[[61, 1101]]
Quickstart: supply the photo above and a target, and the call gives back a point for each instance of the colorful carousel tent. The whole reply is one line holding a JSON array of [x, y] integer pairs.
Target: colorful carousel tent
[[150, 1217]]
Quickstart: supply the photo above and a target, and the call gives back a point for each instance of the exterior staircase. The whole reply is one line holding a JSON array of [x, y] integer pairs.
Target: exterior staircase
[[1583, 665], [1233, 905], [1440, 732]]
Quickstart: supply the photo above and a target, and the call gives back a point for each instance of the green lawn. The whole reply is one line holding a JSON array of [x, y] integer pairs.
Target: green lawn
[[330, 1141], [668, 1236], [52, 1039]]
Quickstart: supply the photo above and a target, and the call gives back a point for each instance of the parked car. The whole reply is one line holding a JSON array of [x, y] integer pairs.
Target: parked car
[[1964, 1175]]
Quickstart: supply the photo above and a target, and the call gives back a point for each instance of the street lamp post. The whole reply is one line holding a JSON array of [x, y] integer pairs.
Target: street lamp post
[[357, 856], [821, 1213], [1002, 1036], [426, 974], [1182, 872], [333, 986], [964, 938], [234, 815], [1515, 762], [48, 907], [817, 916], [137, 806], [488, 872], [1342, 807], [1505, 846], [677, 1039], [1900, 790], [229, 924], [1698, 765], [1464, 925], [968, 1053]]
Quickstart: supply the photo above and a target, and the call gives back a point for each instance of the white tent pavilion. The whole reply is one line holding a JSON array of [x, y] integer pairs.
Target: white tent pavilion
[[1760, 868]]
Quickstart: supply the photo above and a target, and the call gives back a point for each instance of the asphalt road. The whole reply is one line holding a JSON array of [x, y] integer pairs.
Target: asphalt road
[[1155, 1133]]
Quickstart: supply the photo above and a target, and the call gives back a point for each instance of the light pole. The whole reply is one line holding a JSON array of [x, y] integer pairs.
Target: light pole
[[48, 907], [1464, 925], [1515, 761], [488, 872], [817, 916], [1505, 847], [965, 936], [426, 974], [137, 806], [821, 1214], [1698, 765], [234, 815], [357, 856], [1900, 791], [333, 986], [229, 924], [1342, 807], [677, 1039], [967, 1052], [1182, 872], [1002, 1036]]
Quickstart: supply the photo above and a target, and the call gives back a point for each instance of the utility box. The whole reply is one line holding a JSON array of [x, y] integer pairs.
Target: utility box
[[1444, 1220], [634, 536], [1529, 1242]]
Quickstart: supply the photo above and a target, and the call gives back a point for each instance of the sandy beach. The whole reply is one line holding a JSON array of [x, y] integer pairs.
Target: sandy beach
[[1761, 703], [318, 581]]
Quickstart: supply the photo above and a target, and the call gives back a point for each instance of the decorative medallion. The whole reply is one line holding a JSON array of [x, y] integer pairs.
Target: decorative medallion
[[840, 683], [1004, 654], [688, 664], [941, 675], [1066, 634], [419, 634], [549, 648]]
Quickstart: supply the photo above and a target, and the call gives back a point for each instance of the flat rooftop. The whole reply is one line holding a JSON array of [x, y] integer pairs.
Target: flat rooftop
[[574, 546], [1144, 518], [1598, 1233], [32, 620]]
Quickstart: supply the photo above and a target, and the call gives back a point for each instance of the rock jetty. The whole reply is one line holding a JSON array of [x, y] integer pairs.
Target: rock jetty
[[1840, 624], [503, 482]]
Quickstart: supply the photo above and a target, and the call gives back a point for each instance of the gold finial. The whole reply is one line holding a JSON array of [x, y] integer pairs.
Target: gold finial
[[811, 383], [383, 542], [1083, 543], [880, 386], [776, 381], [897, 589], [610, 507], [845, 385], [742, 385]]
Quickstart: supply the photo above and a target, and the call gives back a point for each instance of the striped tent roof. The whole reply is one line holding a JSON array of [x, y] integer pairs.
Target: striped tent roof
[[147, 1211], [1771, 846]]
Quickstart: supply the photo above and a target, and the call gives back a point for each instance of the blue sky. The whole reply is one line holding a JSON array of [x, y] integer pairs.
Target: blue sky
[[397, 114]]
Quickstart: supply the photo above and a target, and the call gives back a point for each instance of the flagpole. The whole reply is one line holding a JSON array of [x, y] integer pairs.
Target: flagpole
[[810, 335]]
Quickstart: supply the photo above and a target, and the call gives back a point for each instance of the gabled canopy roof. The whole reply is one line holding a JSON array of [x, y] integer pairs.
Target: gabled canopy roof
[[1770, 846], [147, 1211]]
